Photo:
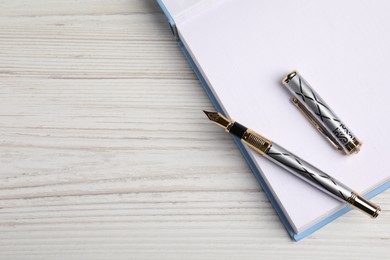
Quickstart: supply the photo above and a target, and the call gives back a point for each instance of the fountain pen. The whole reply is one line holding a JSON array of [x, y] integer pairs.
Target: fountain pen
[[295, 165]]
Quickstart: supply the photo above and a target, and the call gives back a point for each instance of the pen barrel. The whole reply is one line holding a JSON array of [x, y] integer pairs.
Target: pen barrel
[[320, 179], [321, 113], [308, 172]]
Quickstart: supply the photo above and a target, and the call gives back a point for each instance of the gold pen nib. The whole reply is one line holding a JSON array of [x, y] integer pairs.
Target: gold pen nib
[[219, 119]]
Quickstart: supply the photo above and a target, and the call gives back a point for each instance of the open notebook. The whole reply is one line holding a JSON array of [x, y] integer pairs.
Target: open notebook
[[241, 50]]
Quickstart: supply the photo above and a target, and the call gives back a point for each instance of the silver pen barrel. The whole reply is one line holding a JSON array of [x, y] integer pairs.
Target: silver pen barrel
[[319, 179]]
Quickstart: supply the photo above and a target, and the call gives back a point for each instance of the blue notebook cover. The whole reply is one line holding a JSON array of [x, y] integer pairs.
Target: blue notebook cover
[[256, 170]]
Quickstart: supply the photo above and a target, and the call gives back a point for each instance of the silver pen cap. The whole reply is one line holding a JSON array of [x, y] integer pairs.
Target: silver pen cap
[[320, 115]]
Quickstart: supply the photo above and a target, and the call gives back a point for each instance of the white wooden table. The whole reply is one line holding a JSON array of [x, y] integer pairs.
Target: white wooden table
[[105, 153]]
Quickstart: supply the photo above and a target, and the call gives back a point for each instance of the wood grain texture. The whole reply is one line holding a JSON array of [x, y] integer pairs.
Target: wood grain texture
[[105, 153]]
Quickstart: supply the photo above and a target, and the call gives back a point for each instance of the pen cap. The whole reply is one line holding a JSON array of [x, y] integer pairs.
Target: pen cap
[[320, 114]]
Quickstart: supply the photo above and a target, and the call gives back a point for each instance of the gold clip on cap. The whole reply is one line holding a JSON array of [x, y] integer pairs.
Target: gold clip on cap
[[320, 115], [316, 124]]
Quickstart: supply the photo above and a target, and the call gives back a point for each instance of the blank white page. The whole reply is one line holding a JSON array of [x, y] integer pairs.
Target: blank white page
[[342, 48]]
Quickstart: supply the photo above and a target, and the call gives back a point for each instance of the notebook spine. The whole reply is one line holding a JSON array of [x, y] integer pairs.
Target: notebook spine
[[171, 22], [174, 31]]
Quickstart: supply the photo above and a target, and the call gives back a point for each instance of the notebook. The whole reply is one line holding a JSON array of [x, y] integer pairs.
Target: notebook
[[241, 50]]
